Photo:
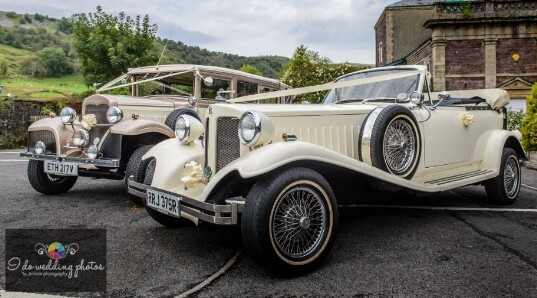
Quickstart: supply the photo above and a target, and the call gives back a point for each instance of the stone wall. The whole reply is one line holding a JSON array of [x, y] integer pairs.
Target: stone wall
[[17, 114], [15, 117], [525, 61]]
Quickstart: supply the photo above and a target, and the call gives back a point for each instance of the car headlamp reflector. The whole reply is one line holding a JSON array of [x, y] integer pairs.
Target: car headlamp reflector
[[39, 147], [188, 129], [92, 152], [67, 115], [255, 128], [80, 138], [114, 115]]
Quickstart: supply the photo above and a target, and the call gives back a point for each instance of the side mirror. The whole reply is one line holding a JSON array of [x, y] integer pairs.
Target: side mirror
[[208, 81], [444, 95]]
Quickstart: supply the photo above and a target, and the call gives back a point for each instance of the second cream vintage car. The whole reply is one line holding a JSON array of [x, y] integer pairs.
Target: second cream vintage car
[[116, 130], [280, 171]]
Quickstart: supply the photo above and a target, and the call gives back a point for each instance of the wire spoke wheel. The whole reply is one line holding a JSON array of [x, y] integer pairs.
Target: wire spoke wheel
[[299, 222], [511, 178], [399, 146]]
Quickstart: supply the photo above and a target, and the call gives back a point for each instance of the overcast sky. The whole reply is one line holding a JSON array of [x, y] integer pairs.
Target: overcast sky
[[341, 30]]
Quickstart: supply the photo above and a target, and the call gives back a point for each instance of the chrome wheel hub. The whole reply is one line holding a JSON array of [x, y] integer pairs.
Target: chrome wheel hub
[[299, 222], [511, 178], [399, 146]]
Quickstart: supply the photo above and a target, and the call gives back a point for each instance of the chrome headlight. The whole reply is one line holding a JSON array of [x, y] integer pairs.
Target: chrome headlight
[[80, 138], [114, 115], [39, 147], [67, 115], [255, 128], [92, 152], [188, 129], [192, 100]]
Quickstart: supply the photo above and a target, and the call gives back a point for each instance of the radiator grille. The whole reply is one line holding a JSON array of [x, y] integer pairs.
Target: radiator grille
[[99, 111], [227, 141], [100, 114], [45, 136]]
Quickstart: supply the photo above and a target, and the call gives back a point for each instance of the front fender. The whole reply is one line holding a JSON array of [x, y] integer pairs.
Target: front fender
[[61, 131], [171, 157], [497, 140], [133, 127], [271, 157]]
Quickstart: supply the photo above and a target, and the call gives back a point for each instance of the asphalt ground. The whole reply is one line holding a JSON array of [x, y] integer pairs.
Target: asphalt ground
[[400, 247]]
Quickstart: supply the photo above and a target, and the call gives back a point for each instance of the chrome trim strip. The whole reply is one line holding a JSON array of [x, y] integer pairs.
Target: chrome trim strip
[[365, 142], [200, 210], [109, 163]]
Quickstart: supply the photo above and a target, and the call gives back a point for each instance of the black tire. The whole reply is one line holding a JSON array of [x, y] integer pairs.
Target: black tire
[[161, 218], [48, 184], [136, 168], [270, 197], [172, 117], [504, 189], [395, 117]]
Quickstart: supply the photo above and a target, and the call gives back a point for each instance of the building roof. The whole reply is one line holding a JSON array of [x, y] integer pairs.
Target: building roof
[[409, 3]]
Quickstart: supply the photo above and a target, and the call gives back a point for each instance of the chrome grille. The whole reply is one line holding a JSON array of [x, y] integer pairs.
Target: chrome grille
[[100, 114], [45, 136], [99, 111], [227, 141]]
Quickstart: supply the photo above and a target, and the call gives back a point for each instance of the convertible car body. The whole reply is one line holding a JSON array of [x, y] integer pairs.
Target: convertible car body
[[280, 171]]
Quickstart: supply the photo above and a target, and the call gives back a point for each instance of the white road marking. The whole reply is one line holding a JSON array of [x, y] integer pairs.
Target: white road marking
[[445, 208], [211, 278], [530, 187], [26, 295], [8, 152], [10, 160]]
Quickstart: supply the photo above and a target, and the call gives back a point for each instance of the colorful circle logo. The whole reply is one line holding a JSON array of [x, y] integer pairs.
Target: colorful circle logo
[[56, 251]]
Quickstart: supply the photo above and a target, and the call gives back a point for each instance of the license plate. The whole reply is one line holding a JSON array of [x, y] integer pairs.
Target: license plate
[[61, 168], [164, 203]]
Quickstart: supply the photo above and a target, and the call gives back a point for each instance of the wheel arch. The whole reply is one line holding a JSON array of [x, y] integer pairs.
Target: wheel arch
[[129, 144], [500, 139]]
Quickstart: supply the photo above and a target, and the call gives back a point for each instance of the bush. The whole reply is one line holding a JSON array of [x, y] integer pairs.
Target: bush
[[514, 119], [39, 17], [28, 18], [11, 14], [50, 62], [529, 124]]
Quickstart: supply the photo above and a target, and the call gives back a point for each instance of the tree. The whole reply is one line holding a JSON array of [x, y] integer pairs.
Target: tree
[[251, 69], [65, 26], [108, 45], [529, 124], [50, 62], [3, 35], [308, 68]]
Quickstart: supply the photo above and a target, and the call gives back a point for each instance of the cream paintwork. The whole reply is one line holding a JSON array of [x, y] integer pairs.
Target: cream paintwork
[[168, 173], [60, 130], [329, 134], [140, 126], [334, 140]]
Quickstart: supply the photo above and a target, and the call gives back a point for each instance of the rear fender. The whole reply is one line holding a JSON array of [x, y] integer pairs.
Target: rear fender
[[498, 139]]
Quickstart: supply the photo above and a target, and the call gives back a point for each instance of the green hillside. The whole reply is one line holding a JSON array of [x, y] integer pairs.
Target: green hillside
[[25, 34]]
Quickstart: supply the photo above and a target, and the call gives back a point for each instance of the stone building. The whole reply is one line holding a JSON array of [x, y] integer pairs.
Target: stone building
[[465, 44]]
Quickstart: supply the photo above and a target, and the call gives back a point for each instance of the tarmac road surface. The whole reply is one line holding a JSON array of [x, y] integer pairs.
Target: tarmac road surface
[[402, 247]]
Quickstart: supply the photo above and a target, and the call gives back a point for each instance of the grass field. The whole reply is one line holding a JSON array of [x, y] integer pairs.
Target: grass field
[[44, 88]]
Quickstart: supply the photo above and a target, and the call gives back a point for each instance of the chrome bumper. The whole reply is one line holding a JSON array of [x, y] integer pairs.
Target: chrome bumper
[[211, 213], [108, 163]]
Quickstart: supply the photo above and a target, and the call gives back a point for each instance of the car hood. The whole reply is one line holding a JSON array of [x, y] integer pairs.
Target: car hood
[[124, 101]]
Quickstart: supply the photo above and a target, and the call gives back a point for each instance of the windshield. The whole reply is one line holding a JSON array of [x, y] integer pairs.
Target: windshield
[[387, 89]]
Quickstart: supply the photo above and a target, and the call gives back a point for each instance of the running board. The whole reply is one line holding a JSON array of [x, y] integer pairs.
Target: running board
[[459, 177]]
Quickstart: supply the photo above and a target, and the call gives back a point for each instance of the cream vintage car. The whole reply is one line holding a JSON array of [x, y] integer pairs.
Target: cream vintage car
[[115, 131], [280, 171]]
